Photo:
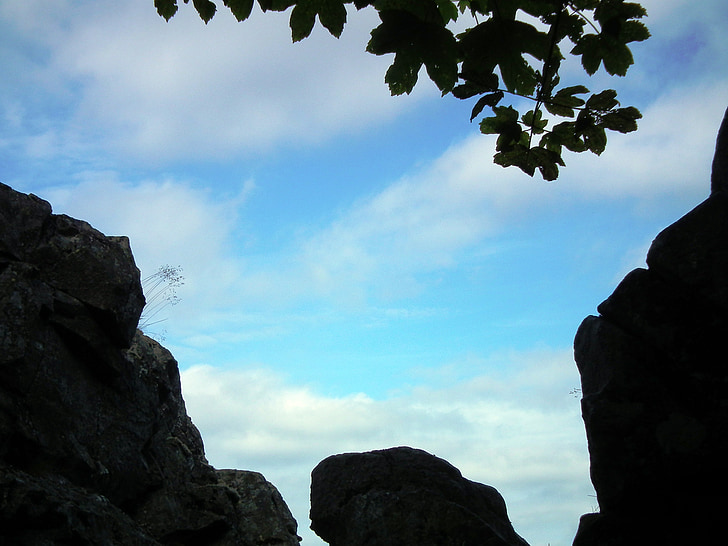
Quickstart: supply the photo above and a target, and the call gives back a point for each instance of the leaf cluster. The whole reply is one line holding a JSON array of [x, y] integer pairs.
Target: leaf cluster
[[514, 48]]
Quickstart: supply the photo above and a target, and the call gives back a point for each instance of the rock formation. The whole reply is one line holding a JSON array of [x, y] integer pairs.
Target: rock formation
[[404, 497], [95, 443], [654, 376]]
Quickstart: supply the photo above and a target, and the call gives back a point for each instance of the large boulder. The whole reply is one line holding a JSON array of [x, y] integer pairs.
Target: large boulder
[[654, 377], [96, 446], [404, 496]]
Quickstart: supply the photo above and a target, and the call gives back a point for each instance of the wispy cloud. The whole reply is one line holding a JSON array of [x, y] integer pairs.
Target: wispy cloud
[[142, 88]]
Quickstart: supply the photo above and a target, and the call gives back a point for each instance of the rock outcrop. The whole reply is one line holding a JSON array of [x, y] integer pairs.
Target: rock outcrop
[[407, 497], [95, 443], [654, 376]]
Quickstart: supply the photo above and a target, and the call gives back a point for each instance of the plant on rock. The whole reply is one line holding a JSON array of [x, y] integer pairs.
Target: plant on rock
[[160, 291]]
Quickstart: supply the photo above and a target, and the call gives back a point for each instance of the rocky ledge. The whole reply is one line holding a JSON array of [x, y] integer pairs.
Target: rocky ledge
[[96, 446]]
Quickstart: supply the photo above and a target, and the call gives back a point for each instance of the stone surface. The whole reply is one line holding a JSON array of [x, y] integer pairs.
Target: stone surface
[[654, 375], [719, 176], [404, 496], [95, 443], [108, 284]]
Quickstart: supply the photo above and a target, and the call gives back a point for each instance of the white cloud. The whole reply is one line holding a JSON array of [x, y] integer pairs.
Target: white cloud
[[161, 91], [517, 429], [417, 225]]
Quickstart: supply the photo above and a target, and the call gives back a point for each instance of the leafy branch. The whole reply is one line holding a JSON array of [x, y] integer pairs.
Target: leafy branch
[[501, 54]]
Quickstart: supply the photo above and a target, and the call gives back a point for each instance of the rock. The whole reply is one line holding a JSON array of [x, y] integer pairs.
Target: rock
[[719, 176], [96, 446], [260, 505], [654, 376], [404, 496], [75, 259], [50, 510]]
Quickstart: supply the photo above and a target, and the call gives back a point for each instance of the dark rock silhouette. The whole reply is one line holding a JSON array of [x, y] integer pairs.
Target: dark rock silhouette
[[95, 443], [404, 496], [719, 176], [654, 377]]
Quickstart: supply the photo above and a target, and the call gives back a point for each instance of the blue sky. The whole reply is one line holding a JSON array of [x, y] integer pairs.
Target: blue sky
[[358, 275]]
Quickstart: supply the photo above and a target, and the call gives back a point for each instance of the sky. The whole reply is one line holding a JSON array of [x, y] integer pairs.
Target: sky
[[357, 273]]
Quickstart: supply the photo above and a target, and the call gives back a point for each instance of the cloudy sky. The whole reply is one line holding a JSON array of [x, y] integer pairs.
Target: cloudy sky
[[358, 274]]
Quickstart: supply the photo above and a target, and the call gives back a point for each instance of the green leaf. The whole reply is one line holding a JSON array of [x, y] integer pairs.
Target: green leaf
[[516, 158], [634, 31], [613, 14], [427, 11], [241, 9], [331, 14], [302, 21], [618, 59], [604, 101], [490, 99], [166, 8], [537, 8], [534, 120], [439, 55], [623, 120], [631, 10], [563, 102], [505, 124], [415, 42], [547, 162], [551, 142], [529, 159], [504, 116], [564, 134], [610, 45], [570, 25], [401, 76], [466, 90], [275, 5], [205, 8], [503, 43], [589, 48], [475, 84], [571, 91], [448, 10], [594, 136]]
